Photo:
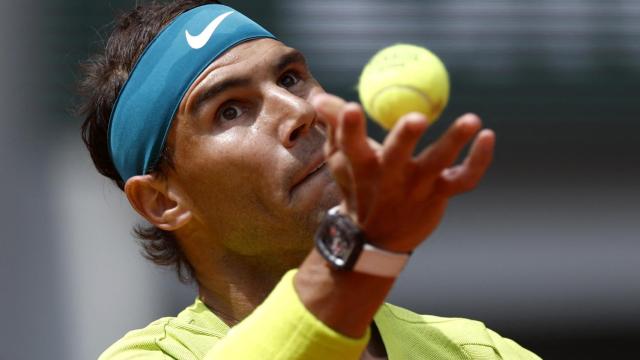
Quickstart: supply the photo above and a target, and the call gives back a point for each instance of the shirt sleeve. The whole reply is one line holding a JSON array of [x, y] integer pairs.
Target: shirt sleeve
[[282, 328]]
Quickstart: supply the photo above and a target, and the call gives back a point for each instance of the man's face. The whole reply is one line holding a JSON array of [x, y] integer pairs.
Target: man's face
[[247, 147]]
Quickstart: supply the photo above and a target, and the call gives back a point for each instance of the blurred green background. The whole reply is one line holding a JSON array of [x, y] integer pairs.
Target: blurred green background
[[546, 251]]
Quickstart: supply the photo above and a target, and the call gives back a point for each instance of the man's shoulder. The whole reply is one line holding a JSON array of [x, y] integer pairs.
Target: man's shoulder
[[138, 342], [455, 328], [447, 337], [189, 335]]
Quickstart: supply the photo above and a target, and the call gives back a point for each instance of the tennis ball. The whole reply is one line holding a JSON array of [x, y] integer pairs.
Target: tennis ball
[[401, 79]]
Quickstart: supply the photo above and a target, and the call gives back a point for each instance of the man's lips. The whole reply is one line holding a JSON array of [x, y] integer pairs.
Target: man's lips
[[315, 166]]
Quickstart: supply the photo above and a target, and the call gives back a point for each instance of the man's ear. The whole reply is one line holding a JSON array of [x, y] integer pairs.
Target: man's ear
[[151, 197]]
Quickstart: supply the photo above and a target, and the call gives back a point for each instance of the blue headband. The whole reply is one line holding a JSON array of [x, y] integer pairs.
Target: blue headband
[[145, 108]]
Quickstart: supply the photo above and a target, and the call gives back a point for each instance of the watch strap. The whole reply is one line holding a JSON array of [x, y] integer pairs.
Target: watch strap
[[379, 262]]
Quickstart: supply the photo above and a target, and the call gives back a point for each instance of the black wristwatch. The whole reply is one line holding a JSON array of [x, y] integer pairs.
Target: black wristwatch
[[344, 246]]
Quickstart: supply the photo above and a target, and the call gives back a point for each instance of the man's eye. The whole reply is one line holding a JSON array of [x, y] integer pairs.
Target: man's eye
[[230, 112], [289, 79]]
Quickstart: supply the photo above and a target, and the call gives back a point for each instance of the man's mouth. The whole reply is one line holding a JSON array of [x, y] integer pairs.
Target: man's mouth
[[311, 174], [315, 168]]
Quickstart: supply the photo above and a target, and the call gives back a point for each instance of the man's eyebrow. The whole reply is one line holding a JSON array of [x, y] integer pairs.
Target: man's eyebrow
[[289, 58], [217, 89], [211, 92]]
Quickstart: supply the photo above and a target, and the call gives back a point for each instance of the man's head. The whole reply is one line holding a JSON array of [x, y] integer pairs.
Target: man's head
[[237, 173]]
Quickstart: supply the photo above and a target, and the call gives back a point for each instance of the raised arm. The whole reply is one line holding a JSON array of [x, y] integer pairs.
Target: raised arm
[[396, 198]]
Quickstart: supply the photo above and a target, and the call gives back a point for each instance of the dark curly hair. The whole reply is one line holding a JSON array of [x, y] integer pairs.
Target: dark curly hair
[[103, 76]]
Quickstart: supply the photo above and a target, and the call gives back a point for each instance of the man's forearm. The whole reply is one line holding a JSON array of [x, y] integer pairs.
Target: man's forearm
[[346, 301]]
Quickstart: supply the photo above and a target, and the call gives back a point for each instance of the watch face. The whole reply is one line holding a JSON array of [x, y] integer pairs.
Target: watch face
[[339, 246], [339, 242]]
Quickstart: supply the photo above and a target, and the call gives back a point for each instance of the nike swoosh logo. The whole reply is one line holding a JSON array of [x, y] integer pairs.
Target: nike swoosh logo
[[200, 40]]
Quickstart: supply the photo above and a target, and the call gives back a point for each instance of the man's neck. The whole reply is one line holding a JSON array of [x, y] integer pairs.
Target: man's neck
[[232, 291], [236, 284]]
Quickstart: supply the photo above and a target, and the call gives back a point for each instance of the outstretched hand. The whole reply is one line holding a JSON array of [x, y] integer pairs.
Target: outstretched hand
[[396, 198]]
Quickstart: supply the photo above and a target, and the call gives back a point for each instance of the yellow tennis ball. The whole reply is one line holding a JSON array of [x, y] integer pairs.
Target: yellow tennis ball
[[401, 79]]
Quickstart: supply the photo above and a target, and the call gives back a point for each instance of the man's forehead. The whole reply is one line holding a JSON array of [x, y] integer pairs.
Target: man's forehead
[[252, 52]]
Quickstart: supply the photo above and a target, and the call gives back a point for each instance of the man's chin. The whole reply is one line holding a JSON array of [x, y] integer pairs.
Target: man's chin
[[300, 221], [316, 194], [331, 196]]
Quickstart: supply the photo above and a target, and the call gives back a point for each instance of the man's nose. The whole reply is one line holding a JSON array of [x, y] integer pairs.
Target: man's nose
[[295, 115]]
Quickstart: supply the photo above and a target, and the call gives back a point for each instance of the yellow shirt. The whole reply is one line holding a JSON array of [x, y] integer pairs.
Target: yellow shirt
[[282, 328]]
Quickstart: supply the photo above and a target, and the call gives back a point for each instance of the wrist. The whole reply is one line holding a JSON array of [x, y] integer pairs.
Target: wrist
[[335, 297], [345, 247]]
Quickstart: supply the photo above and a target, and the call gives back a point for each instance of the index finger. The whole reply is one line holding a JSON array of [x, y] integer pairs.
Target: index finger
[[329, 108]]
